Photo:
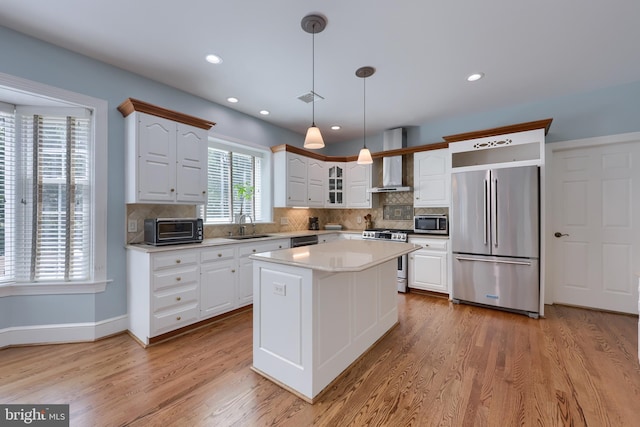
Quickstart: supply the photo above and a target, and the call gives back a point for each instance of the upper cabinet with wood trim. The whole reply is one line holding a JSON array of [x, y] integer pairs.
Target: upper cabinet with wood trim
[[516, 145], [165, 155], [431, 178]]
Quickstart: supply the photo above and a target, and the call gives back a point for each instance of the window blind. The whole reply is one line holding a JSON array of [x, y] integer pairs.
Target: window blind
[[53, 223], [219, 200], [7, 191]]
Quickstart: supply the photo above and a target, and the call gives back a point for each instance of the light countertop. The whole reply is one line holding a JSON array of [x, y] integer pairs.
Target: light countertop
[[339, 256]]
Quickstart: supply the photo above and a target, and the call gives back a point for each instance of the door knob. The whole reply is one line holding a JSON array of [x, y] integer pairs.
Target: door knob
[[559, 234]]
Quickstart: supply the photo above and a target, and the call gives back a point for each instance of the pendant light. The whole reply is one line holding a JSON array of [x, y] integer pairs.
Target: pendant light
[[313, 24], [364, 158]]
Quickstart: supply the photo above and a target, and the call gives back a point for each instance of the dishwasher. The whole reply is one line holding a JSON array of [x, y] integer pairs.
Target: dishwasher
[[304, 241]]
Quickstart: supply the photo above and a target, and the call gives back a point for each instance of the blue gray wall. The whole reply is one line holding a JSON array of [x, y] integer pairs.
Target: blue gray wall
[[598, 113], [36, 60], [604, 112]]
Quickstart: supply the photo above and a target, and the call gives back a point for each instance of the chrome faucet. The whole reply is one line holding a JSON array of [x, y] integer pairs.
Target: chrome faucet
[[243, 220]]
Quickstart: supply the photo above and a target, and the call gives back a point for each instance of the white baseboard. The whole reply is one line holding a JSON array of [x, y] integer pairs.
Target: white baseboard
[[62, 333]]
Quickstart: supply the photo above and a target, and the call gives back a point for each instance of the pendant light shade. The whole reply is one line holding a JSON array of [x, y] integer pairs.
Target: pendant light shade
[[364, 157], [313, 24], [313, 140]]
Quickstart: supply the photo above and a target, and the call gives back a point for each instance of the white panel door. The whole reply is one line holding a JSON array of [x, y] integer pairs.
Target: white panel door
[[358, 185], [191, 159], [596, 226], [156, 159], [315, 183], [296, 180], [431, 178]]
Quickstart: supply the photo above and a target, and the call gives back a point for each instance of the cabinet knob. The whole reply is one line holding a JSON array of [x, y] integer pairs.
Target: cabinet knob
[[219, 255], [417, 198], [309, 198], [254, 250], [426, 246], [178, 318], [178, 298], [233, 271], [279, 246], [289, 197], [178, 279], [173, 190], [178, 261]]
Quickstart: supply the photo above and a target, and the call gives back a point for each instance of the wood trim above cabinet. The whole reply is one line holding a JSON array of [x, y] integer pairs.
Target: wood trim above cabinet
[[380, 154], [130, 105], [520, 127]]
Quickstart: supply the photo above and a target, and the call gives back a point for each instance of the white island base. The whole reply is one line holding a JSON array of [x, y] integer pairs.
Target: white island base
[[311, 324]]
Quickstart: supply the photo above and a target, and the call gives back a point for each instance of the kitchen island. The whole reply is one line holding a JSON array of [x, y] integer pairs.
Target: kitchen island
[[317, 309]]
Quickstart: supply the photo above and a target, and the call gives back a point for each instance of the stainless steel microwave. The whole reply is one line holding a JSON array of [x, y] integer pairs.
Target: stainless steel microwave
[[431, 224], [173, 231]]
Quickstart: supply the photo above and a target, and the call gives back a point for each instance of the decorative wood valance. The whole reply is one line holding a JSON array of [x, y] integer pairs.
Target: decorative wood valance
[[521, 127], [380, 154], [130, 105]]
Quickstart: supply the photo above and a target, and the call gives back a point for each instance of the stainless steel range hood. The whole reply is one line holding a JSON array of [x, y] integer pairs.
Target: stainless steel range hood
[[391, 166]]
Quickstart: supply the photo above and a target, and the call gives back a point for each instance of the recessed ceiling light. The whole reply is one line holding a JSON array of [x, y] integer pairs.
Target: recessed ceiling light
[[475, 76], [264, 112], [232, 99], [335, 127], [214, 59]]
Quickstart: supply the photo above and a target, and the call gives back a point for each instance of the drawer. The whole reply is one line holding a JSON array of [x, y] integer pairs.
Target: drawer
[[175, 297], [175, 277], [215, 254], [253, 248], [169, 320], [174, 259], [431, 244]]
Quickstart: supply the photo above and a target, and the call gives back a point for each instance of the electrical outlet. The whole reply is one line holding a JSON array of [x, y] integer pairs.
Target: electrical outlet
[[280, 289], [359, 220], [284, 221], [132, 226]]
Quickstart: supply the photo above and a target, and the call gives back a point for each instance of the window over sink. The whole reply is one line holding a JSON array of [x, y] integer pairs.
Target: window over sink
[[231, 164]]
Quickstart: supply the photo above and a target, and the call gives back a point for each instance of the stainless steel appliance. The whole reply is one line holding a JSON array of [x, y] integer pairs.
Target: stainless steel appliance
[[431, 224], [392, 236], [495, 238], [313, 223], [304, 241], [172, 231]]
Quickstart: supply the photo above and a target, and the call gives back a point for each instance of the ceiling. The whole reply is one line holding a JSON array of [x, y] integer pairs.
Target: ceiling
[[422, 51]]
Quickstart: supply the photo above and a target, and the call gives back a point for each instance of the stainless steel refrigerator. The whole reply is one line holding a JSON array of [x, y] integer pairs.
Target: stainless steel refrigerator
[[495, 238]]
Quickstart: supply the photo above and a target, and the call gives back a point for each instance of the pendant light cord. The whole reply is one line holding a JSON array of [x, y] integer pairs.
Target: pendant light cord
[[364, 110], [313, 76]]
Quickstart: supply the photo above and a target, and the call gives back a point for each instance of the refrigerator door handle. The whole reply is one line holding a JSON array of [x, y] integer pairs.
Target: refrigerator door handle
[[494, 211], [497, 261], [484, 212]]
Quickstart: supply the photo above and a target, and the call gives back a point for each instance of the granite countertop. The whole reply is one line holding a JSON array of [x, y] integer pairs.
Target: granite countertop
[[216, 241], [339, 256]]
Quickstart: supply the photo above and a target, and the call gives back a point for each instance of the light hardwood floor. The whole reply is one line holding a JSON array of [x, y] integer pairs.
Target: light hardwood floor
[[444, 364]]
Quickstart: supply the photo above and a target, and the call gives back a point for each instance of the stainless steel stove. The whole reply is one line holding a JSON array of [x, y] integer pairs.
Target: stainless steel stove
[[392, 235]]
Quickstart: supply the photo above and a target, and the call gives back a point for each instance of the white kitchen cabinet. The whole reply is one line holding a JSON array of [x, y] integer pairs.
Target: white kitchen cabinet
[[336, 185], [166, 161], [358, 185], [218, 280], [431, 178], [162, 292], [245, 266], [326, 238], [428, 266], [298, 180]]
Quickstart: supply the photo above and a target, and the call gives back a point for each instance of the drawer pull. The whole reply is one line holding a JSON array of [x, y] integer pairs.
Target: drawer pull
[[178, 318], [178, 279], [233, 271], [219, 255], [279, 246], [254, 250], [178, 261], [204, 192], [178, 298], [173, 190]]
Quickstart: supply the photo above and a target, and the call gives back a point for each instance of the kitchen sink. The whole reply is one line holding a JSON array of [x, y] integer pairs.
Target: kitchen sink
[[248, 236]]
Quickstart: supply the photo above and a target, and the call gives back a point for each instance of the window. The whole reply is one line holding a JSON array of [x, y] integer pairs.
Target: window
[[230, 166], [46, 185], [53, 190]]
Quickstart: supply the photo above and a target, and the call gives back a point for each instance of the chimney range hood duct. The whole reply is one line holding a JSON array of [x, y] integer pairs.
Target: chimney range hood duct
[[391, 166]]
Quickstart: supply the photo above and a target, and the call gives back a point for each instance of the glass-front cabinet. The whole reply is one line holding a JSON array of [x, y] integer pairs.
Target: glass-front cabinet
[[336, 181]]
